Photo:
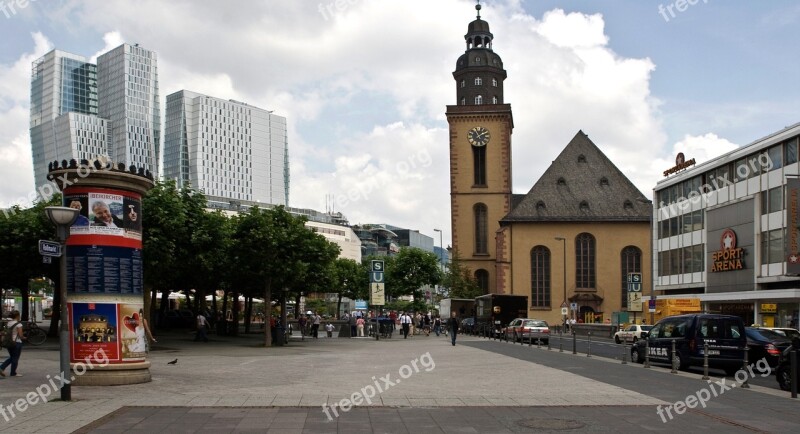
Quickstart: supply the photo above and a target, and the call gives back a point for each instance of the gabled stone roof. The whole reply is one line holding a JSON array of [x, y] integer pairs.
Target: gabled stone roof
[[582, 184]]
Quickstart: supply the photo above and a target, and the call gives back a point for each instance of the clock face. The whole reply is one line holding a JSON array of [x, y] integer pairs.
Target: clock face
[[478, 136]]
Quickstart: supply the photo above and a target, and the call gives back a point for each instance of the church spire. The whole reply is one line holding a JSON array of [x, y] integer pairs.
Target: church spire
[[479, 71]]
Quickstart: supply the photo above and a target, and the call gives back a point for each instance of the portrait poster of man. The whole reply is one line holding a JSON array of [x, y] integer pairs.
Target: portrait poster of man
[[81, 203], [105, 213], [132, 217]]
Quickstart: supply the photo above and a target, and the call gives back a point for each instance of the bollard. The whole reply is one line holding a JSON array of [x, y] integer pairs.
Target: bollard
[[624, 352], [574, 343], [744, 368], [589, 346], [705, 361], [793, 370], [548, 342], [561, 341], [539, 342], [647, 352], [674, 359]]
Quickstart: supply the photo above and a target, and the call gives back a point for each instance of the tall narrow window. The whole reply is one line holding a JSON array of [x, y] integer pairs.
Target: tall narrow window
[[631, 261], [478, 81], [494, 82], [494, 100], [584, 262], [481, 229], [482, 279], [478, 100], [479, 160], [540, 277]]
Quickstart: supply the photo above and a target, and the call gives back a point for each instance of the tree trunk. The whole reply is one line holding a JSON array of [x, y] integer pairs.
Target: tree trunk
[[338, 306], [268, 309], [235, 325], [248, 313], [283, 311], [223, 320]]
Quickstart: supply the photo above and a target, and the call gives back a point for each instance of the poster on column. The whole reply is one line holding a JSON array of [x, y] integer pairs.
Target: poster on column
[[98, 269], [93, 328], [133, 338], [106, 212]]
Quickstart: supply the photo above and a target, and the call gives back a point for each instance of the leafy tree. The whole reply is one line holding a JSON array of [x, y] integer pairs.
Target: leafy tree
[[20, 232], [409, 271], [351, 280], [275, 250], [460, 281]]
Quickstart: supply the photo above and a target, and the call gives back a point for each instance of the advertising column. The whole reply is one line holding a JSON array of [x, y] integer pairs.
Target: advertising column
[[105, 296]]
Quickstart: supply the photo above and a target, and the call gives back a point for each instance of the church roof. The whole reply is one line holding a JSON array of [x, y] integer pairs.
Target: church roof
[[582, 184]]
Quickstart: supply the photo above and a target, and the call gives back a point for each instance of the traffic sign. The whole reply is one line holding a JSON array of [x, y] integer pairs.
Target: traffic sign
[[376, 265], [49, 248], [651, 305], [377, 294], [375, 276], [564, 311], [573, 306]]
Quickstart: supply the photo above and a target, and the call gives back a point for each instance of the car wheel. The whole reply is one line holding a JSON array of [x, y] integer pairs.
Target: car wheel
[[636, 355], [616, 339], [784, 378]]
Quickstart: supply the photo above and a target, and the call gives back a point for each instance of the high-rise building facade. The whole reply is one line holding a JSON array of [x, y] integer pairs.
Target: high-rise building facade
[[80, 110], [127, 92], [61, 83], [230, 150]]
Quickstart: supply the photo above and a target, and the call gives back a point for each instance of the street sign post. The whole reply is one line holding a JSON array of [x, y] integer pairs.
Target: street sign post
[[49, 248]]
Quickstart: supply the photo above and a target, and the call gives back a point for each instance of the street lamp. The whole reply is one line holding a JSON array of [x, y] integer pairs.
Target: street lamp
[[564, 240], [63, 217], [441, 246], [652, 258]]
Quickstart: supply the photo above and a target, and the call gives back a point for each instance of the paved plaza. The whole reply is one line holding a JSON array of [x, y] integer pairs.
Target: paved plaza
[[422, 384]]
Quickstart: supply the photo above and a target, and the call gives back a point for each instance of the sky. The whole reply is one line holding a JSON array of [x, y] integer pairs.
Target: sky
[[364, 83]]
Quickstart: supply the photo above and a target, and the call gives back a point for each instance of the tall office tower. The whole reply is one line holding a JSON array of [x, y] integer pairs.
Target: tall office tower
[[64, 83], [232, 151], [127, 92]]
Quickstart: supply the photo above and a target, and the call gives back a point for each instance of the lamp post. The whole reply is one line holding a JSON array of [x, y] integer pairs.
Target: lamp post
[[441, 246], [652, 258], [63, 217], [564, 264]]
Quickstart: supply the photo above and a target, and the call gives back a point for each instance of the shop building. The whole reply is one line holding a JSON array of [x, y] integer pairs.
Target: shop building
[[726, 231]]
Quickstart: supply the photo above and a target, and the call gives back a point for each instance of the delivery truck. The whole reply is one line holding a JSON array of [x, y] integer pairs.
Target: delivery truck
[[463, 307], [495, 311]]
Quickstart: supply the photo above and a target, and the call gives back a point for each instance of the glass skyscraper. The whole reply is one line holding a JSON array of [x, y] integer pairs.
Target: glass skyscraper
[[61, 83], [80, 110], [230, 150]]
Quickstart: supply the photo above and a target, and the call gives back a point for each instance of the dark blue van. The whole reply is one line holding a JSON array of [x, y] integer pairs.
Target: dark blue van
[[725, 335]]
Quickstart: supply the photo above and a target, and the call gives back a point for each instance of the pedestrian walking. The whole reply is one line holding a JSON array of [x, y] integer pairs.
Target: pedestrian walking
[[315, 325], [405, 322], [17, 336], [360, 327], [302, 322], [452, 326], [437, 324], [202, 324], [329, 329]]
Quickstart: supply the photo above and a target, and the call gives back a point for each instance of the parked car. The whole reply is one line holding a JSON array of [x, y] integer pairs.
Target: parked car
[[725, 335], [765, 344], [467, 325], [522, 329], [789, 333], [632, 333]]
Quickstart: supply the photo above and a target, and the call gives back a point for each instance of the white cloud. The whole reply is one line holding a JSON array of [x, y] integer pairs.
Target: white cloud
[[16, 181], [398, 55]]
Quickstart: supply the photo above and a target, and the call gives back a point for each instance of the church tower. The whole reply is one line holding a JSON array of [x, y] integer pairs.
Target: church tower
[[480, 154]]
